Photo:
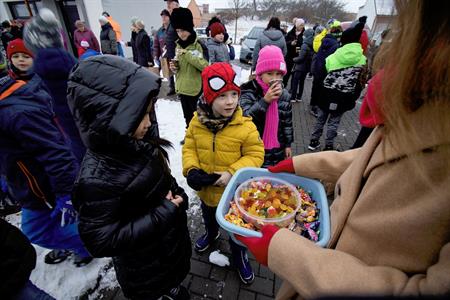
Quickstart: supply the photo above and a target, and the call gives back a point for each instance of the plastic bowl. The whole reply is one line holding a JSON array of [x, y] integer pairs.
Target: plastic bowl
[[261, 221]]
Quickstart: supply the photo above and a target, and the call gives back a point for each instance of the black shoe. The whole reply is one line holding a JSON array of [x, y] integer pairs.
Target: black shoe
[[171, 93], [56, 256], [328, 148], [314, 145], [182, 142], [179, 293], [81, 261]]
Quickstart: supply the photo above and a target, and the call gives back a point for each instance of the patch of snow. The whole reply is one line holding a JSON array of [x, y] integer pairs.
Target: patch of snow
[[219, 259]]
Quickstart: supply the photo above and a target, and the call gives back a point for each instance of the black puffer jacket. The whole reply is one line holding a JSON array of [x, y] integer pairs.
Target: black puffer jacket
[[122, 184], [253, 105]]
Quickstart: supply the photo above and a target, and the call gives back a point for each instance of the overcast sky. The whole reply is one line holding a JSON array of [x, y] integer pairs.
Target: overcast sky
[[350, 5]]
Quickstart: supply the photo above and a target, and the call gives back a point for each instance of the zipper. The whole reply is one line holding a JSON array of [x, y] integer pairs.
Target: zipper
[[33, 184], [214, 142]]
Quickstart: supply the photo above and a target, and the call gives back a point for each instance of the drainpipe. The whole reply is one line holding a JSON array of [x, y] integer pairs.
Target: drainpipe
[[27, 3]]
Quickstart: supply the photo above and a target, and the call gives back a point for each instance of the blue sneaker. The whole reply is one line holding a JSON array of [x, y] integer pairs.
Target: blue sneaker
[[243, 266], [205, 241]]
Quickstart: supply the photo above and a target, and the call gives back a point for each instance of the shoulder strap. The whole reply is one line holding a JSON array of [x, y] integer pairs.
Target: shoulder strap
[[14, 87]]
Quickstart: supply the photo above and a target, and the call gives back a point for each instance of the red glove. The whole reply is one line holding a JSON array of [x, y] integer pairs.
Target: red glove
[[260, 246], [286, 165]]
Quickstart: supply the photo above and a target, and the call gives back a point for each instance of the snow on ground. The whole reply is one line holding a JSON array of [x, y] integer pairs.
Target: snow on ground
[[219, 259], [64, 280]]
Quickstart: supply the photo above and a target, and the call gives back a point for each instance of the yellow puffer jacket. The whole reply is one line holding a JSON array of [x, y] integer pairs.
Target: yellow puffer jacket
[[317, 42], [236, 146]]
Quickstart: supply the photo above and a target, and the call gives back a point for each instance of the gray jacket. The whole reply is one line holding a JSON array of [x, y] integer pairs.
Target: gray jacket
[[218, 52], [302, 63], [269, 36], [108, 40]]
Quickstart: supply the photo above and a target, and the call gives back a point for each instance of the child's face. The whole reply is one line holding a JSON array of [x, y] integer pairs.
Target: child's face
[[219, 37], [268, 76], [22, 61], [144, 125], [183, 34], [225, 104]]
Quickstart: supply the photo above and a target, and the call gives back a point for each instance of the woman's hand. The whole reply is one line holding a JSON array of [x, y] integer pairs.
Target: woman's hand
[[224, 178], [273, 93]]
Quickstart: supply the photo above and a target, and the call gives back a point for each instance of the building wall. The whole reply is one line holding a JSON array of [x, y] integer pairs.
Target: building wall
[[368, 10], [196, 13]]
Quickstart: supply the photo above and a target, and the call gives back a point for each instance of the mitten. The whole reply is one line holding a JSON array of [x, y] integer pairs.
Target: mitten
[[260, 246], [198, 178], [43, 31], [286, 165], [64, 209]]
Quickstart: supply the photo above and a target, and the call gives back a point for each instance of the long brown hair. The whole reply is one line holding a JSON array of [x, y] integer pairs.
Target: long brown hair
[[417, 68]]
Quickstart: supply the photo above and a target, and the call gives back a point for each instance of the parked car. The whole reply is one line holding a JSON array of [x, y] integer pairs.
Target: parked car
[[248, 44], [201, 33]]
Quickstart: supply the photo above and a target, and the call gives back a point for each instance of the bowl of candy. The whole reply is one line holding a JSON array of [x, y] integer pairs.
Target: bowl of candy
[[264, 200], [244, 205]]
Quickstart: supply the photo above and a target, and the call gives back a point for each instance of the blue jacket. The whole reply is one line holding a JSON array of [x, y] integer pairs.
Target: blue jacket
[[53, 65], [35, 155], [328, 46]]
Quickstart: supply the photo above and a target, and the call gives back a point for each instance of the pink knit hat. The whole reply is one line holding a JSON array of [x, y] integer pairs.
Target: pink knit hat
[[270, 58]]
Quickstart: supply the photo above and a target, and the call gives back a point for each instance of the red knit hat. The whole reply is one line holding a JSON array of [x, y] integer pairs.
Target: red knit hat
[[216, 28], [17, 46], [218, 78]]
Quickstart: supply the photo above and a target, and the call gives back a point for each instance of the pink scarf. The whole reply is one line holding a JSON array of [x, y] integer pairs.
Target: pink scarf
[[270, 135]]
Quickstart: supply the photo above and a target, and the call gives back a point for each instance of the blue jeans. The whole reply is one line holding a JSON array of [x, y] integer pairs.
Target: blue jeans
[[30, 291], [332, 119], [47, 232]]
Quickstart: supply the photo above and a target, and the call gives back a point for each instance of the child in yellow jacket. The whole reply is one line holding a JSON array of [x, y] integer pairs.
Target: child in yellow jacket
[[219, 141]]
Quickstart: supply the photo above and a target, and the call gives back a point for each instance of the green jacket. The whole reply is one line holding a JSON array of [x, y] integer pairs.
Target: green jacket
[[349, 55], [190, 67]]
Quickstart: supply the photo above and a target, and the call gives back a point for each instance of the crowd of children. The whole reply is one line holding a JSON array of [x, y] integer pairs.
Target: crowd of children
[[79, 154]]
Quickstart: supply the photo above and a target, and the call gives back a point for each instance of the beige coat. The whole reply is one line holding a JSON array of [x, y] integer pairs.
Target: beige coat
[[390, 231]]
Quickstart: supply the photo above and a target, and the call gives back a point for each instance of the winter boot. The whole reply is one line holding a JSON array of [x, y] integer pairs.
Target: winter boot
[[81, 261], [242, 264], [56, 256], [205, 241], [314, 145]]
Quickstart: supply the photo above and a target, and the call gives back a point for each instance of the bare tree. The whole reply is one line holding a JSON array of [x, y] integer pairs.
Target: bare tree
[[237, 7]]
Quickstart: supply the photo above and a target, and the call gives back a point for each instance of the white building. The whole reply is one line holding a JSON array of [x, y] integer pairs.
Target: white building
[[68, 11], [380, 14]]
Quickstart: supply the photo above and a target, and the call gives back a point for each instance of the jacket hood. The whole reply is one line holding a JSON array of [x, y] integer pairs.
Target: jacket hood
[[53, 63], [308, 37], [108, 97], [346, 56], [273, 34], [212, 42], [328, 41]]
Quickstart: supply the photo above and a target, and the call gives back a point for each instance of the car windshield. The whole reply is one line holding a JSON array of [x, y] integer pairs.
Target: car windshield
[[201, 30], [255, 32]]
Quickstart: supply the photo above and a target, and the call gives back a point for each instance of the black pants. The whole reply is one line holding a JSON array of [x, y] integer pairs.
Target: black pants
[[172, 83], [297, 84], [289, 66], [211, 225], [189, 106], [315, 90]]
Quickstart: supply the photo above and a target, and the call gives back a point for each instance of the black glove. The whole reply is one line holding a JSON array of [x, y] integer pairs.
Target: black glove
[[197, 179]]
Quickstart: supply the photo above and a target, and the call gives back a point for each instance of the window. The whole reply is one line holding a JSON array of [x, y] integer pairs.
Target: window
[[19, 9]]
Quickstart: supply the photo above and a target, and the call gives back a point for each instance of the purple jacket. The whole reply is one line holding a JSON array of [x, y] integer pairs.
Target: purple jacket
[[88, 36]]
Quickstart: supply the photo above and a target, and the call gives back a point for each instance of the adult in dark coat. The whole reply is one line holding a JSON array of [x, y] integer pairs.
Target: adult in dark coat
[[132, 42], [302, 65], [143, 49], [170, 41], [294, 40], [122, 190], [253, 105]]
